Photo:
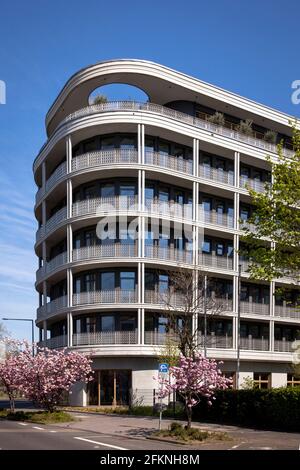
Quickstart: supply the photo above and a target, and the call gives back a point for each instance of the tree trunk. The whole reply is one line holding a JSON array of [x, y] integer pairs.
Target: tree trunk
[[189, 416], [11, 402]]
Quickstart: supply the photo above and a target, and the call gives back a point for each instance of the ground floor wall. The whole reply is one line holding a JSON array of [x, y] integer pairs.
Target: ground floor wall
[[125, 380]]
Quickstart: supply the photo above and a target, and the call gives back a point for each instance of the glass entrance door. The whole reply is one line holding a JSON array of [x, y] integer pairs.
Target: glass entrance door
[[110, 388]]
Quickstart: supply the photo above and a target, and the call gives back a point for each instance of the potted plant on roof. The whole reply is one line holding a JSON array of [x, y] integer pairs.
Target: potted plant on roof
[[270, 137], [217, 118], [245, 127]]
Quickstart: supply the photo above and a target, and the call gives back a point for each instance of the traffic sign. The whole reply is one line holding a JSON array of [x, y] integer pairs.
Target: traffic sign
[[163, 368]]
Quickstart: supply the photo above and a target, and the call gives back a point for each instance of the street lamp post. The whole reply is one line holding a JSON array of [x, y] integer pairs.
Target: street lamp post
[[32, 327], [238, 348]]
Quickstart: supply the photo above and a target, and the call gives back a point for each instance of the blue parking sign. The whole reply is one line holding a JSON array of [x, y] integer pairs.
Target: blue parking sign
[[163, 368]]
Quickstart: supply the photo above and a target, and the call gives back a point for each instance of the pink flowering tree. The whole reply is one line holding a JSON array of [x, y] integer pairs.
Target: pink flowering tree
[[195, 378], [51, 373], [11, 374]]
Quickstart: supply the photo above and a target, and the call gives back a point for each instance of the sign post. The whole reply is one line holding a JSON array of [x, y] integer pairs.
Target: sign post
[[163, 370]]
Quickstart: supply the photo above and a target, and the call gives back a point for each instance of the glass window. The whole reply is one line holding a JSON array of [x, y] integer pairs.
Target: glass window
[[90, 238], [127, 190], [127, 323], [90, 145], [107, 190], [178, 151], [220, 164], [90, 282], [149, 280], [245, 172], [77, 285], [107, 281], [206, 203], [244, 214], [91, 324], [149, 193], [230, 251], [163, 148], [261, 380], [220, 249], [162, 325], [108, 143], [163, 282], [293, 380], [90, 192], [127, 143], [77, 242], [179, 197], [206, 246], [163, 195], [149, 144], [107, 323], [127, 280]]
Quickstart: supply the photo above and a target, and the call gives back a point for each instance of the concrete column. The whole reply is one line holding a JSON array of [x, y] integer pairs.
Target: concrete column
[[44, 178], [44, 293], [70, 329], [237, 169], [142, 142], [142, 325], [195, 157], [45, 330], [69, 243], [69, 153], [69, 198], [236, 256], [236, 211], [70, 287], [271, 335], [44, 213], [44, 254], [142, 281], [195, 245]]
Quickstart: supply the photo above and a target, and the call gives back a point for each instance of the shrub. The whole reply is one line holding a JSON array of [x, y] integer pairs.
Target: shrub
[[217, 118], [271, 137], [277, 408], [245, 127]]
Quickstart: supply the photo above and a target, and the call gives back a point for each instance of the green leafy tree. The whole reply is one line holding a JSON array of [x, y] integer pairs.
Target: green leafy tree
[[276, 220]]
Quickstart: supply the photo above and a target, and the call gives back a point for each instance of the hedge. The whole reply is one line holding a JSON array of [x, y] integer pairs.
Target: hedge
[[277, 408]]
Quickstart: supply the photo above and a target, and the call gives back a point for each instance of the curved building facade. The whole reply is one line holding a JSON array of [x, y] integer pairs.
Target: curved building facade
[[112, 175]]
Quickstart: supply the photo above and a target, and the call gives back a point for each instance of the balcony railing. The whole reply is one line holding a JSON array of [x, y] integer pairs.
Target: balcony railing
[[168, 254], [55, 342], [214, 341], [223, 262], [212, 217], [257, 344], [178, 116], [104, 157], [51, 223], [169, 209], [255, 307], [116, 296], [155, 337], [58, 173], [169, 161], [104, 204], [111, 250], [287, 311], [54, 263], [215, 174], [283, 345], [258, 186], [164, 298], [105, 337], [52, 307]]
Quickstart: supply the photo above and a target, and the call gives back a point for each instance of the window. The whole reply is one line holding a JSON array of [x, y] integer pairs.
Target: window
[[230, 251], [149, 193], [127, 280], [127, 143], [163, 282], [149, 144], [163, 195], [108, 143], [127, 190], [107, 323], [206, 246], [220, 249], [91, 324], [107, 190], [89, 282], [90, 146], [107, 281], [293, 380], [261, 380], [127, 323]]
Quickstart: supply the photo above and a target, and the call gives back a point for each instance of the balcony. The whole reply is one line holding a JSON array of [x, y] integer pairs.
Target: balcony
[[104, 157], [164, 298], [58, 174], [215, 341], [212, 217], [170, 162], [220, 262], [105, 337], [104, 204], [169, 254], [55, 342], [51, 265], [116, 296], [112, 250], [214, 174], [157, 338], [52, 307], [177, 116], [255, 308], [51, 223], [254, 344], [257, 185], [285, 311]]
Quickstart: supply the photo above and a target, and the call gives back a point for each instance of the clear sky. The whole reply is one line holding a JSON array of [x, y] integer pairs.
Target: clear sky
[[249, 47]]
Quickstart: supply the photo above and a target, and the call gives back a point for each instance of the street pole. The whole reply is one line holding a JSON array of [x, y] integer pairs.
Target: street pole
[[238, 348], [205, 314], [32, 328]]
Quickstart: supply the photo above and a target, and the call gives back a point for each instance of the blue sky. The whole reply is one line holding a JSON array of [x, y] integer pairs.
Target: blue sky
[[251, 48]]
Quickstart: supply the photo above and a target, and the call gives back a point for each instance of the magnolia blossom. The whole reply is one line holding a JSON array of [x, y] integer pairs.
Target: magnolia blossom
[[193, 379]]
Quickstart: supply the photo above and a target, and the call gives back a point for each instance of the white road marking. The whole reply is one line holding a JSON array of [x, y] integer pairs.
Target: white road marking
[[52, 431], [237, 445], [23, 424], [100, 443], [40, 429]]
